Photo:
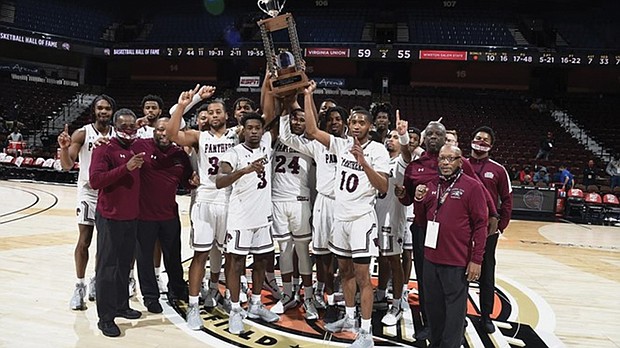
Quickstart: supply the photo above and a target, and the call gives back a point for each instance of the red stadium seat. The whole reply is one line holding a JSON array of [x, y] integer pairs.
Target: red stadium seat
[[594, 208], [611, 209]]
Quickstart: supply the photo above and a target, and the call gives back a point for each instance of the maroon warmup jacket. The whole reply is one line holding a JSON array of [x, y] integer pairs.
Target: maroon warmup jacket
[[119, 188], [161, 174], [463, 219], [495, 179]]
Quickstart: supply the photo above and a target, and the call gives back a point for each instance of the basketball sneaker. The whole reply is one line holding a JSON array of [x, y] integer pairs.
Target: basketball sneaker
[[344, 324], [284, 304], [258, 311], [194, 321], [363, 340], [77, 300]]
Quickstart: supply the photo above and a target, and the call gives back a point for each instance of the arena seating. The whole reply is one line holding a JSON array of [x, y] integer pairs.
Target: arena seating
[[518, 127], [65, 18]]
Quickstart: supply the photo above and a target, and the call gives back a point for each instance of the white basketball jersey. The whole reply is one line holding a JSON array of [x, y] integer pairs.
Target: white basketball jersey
[[211, 149], [324, 159], [390, 212], [91, 134], [249, 205], [354, 194], [291, 175], [145, 132]]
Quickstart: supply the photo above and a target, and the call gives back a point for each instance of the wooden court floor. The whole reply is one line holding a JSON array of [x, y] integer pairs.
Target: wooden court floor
[[571, 272]]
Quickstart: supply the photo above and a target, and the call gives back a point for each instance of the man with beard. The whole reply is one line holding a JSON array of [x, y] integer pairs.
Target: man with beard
[[166, 167], [152, 107], [209, 213], [291, 194], [382, 114], [362, 170], [455, 209], [323, 210], [81, 144], [495, 179], [247, 168], [114, 171]]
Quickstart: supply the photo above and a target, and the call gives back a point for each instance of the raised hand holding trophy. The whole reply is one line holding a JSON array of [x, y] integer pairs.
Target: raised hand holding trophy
[[287, 68]]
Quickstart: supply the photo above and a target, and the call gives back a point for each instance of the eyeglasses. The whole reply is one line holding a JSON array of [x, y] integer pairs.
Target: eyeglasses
[[449, 159]]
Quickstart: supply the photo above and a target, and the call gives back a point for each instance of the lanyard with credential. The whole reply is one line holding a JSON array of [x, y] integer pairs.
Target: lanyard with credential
[[441, 200]]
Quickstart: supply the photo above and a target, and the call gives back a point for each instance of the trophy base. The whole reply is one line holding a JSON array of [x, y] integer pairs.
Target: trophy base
[[276, 23], [288, 84]]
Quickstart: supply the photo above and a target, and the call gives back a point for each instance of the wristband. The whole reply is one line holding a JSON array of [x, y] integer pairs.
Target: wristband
[[404, 139]]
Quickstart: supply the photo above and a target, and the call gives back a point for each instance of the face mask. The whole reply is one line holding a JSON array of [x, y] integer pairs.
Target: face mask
[[480, 147], [127, 136]]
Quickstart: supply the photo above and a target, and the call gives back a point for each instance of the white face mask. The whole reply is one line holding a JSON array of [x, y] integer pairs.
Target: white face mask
[[127, 136], [480, 146]]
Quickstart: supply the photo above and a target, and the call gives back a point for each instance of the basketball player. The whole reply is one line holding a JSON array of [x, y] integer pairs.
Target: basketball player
[[362, 170], [323, 210], [152, 108], [392, 221], [209, 212], [407, 255], [292, 212], [80, 144], [247, 168]]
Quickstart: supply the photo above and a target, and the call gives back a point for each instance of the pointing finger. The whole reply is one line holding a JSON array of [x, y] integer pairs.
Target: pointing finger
[[397, 116], [66, 128]]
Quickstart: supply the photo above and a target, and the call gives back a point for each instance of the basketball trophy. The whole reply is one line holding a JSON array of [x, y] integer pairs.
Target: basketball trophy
[[287, 68]]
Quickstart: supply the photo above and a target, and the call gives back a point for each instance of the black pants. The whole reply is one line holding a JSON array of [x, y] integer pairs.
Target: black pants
[[116, 242], [169, 234], [487, 277], [446, 303], [419, 234]]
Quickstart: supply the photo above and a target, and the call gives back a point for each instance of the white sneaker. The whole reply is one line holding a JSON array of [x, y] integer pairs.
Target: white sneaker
[[235, 321], [92, 290], [344, 324], [258, 311], [284, 304], [132, 287], [77, 300], [310, 307], [194, 321], [161, 285], [363, 340], [392, 316]]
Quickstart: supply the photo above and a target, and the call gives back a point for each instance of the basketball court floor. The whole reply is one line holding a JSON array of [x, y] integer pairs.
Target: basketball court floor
[[557, 285]]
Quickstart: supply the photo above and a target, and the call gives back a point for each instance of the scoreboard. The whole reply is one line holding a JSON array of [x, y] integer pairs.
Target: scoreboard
[[392, 53]]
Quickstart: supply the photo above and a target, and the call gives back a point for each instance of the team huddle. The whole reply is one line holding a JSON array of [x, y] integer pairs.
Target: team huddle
[[333, 188]]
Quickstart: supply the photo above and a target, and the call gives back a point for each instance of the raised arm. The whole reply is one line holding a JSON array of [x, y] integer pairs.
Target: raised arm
[[402, 127], [312, 129], [70, 146], [294, 141], [189, 137]]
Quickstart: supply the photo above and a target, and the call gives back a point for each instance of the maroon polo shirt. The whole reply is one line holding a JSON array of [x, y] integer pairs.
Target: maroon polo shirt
[[463, 219], [161, 174], [118, 187]]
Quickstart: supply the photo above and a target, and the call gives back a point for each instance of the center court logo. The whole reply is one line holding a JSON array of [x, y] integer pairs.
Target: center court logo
[[518, 314]]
